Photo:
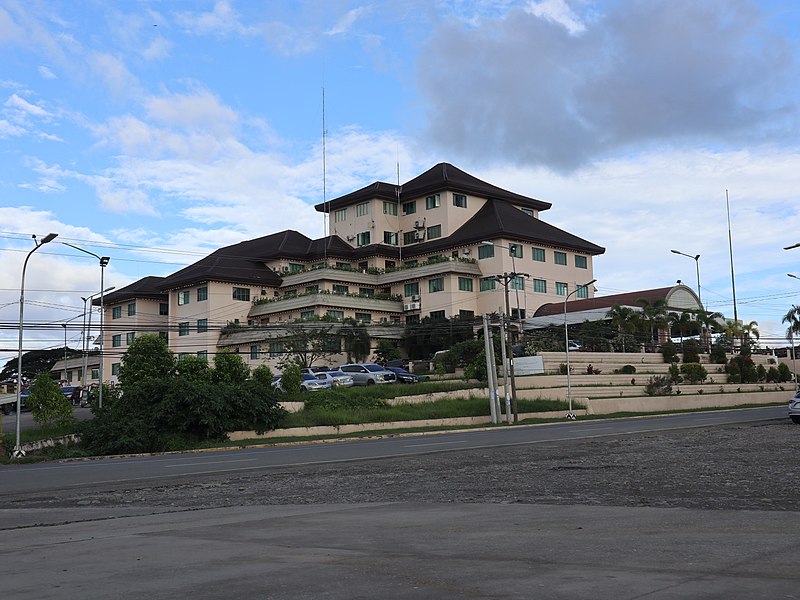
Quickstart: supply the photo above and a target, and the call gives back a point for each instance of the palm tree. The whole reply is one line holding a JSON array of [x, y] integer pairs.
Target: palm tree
[[654, 313], [750, 330], [709, 322], [793, 318], [682, 321], [624, 319]]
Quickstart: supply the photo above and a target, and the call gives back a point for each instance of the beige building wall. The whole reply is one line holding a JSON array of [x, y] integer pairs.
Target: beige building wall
[[119, 333]]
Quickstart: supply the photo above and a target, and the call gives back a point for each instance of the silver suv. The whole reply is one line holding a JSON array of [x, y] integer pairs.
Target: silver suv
[[368, 374]]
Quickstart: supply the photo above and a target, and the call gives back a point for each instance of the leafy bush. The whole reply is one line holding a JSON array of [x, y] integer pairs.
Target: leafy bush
[[291, 378], [675, 373], [773, 376], [48, 405], [741, 369], [694, 372], [342, 400], [691, 351], [761, 373], [669, 351], [719, 354], [658, 385], [627, 369], [784, 374]]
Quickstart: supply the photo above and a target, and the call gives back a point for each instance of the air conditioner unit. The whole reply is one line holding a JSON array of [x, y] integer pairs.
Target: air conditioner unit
[[411, 306], [415, 298], [419, 224], [285, 269], [419, 236], [350, 238], [465, 251]]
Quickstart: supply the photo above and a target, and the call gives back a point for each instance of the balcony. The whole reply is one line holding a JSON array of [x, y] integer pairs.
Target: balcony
[[381, 303]]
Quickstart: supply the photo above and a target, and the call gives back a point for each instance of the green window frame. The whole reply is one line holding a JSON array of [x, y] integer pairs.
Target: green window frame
[[581, 262], [560, 258], [241, 294], [340, 289], [409, 237], [515, 250], [366, 292], [362, 317], [583, 291], [540, 286], [202, 325], [116, 312], [129, 337], [362, 239], [275, 349], [561, 288], [433, 201], [538, 254], [465, 284], [340, 215], [307, 314], [460, 200], [114, 370], [312, 289], [183, 297], [163, 309], [409, 208], [335, 314], [116, 341], [485, 251], [183, 328], [390, 208], [436, 285], [255, 352], [390, 238], [132, 309], [518, 283], [488, 284], [438, 315], [362, 210], [411, 289], [202, 294], [434, 231]]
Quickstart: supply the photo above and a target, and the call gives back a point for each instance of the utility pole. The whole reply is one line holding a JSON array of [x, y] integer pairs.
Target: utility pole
[[487, 342]]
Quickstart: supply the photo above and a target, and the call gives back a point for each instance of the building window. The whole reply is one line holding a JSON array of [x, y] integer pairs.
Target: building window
[[436, 285], [561, 288], [409, 208], [366, 292], [335, 314], [460, 200], [515, 250], [410, 263], [340, 289], [362, 239], [290, 294], [409, 237], [342, 265], [362, 209], [518, 283], [488, 284], [332, 343], [411, 289], [485, 251], [116, 312], [129, 337], [69, 376], [163, 335], [390, 265], [527, 211], [340, 215], [538, 254], [583, 291], [390, 208], [96, 372], [438, 315], [242, 294], [581, 262], [465, 284], [131, 309], [434, 232], [364, 317], [114, 371], [466, 314], [390, 237], [433, 201], [296, 268], [412, 319], [163, 309], [560, 258], [275, 349], [517, 313], [116, 341], [312, 289], [307, 314], [203, 355], [183, 298], [254, 352], [540, 286], [202, 325], [183, 328], [202, 294]]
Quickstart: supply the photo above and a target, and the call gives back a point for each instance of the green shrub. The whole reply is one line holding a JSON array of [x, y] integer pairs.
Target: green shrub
[[691, 351], [741, 369], [773, 376], [784, 374], [342, 400], [719, 354], [675, 373], [694, 372], [291, 378], [47, 404], [658, 385], [669, 352], [761, 373]]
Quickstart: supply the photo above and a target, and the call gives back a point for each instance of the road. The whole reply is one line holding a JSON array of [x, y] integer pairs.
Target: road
[[126, 471], [8, 423]]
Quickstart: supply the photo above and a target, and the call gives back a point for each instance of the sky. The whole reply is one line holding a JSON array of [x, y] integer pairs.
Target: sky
[[156, 131]]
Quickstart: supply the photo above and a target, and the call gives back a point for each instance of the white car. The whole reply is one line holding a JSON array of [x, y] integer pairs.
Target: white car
[[794, 408], [309, 383], [336, 378], [368, 374]]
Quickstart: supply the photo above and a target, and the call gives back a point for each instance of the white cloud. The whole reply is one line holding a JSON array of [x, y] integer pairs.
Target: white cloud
[[113, 72], [158, 49], [10, 130], [23, 105], [346, 22], [557, 11], [222, 20], [46, 73]]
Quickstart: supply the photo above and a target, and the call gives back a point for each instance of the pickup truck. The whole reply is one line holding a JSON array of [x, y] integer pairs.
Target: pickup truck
[[8, 403]]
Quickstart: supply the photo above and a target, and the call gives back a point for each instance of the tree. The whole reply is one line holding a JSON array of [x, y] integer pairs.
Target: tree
[[356, 340], [48, 405], [624, 319], [34, 362], [709, 322], [229, 368], [654, 314], [194, 368], [792, 317], [682, 322], [386, 351], [148, 357], [291, 378], [307, 343]]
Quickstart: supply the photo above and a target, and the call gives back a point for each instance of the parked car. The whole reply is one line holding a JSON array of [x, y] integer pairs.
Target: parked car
[[336, 378], [309, 383], [368, 373], [794, 408], [404, 376], [73, 392], [573, 346]]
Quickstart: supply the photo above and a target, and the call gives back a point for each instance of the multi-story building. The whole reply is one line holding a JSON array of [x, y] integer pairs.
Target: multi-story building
[[442, 245]]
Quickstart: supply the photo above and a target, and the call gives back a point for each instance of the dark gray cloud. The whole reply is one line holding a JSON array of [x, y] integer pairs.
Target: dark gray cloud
[[642, 74]]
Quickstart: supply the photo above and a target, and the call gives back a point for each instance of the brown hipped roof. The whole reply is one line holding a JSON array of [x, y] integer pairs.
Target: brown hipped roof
[[626, 299]]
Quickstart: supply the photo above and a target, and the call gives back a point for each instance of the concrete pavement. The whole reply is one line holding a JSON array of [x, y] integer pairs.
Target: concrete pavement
[[406, 550]]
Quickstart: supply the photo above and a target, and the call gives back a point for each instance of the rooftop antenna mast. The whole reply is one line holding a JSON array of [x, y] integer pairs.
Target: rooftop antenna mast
[[397, 194]]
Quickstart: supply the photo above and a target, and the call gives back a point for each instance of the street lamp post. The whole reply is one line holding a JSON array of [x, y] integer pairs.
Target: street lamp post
[[103, 262], [84, 336], [570, 414], [791, 334], [696, 259], [18, 451]]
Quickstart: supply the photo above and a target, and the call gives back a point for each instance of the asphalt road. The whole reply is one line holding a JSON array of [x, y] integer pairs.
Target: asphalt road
[[127, 471], [8, 423]]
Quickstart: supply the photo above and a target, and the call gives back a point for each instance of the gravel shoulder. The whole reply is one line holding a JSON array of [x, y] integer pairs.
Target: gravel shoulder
[[746, 466]]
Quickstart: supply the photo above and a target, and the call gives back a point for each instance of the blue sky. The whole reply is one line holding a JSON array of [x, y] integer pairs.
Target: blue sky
[[157, 131]]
